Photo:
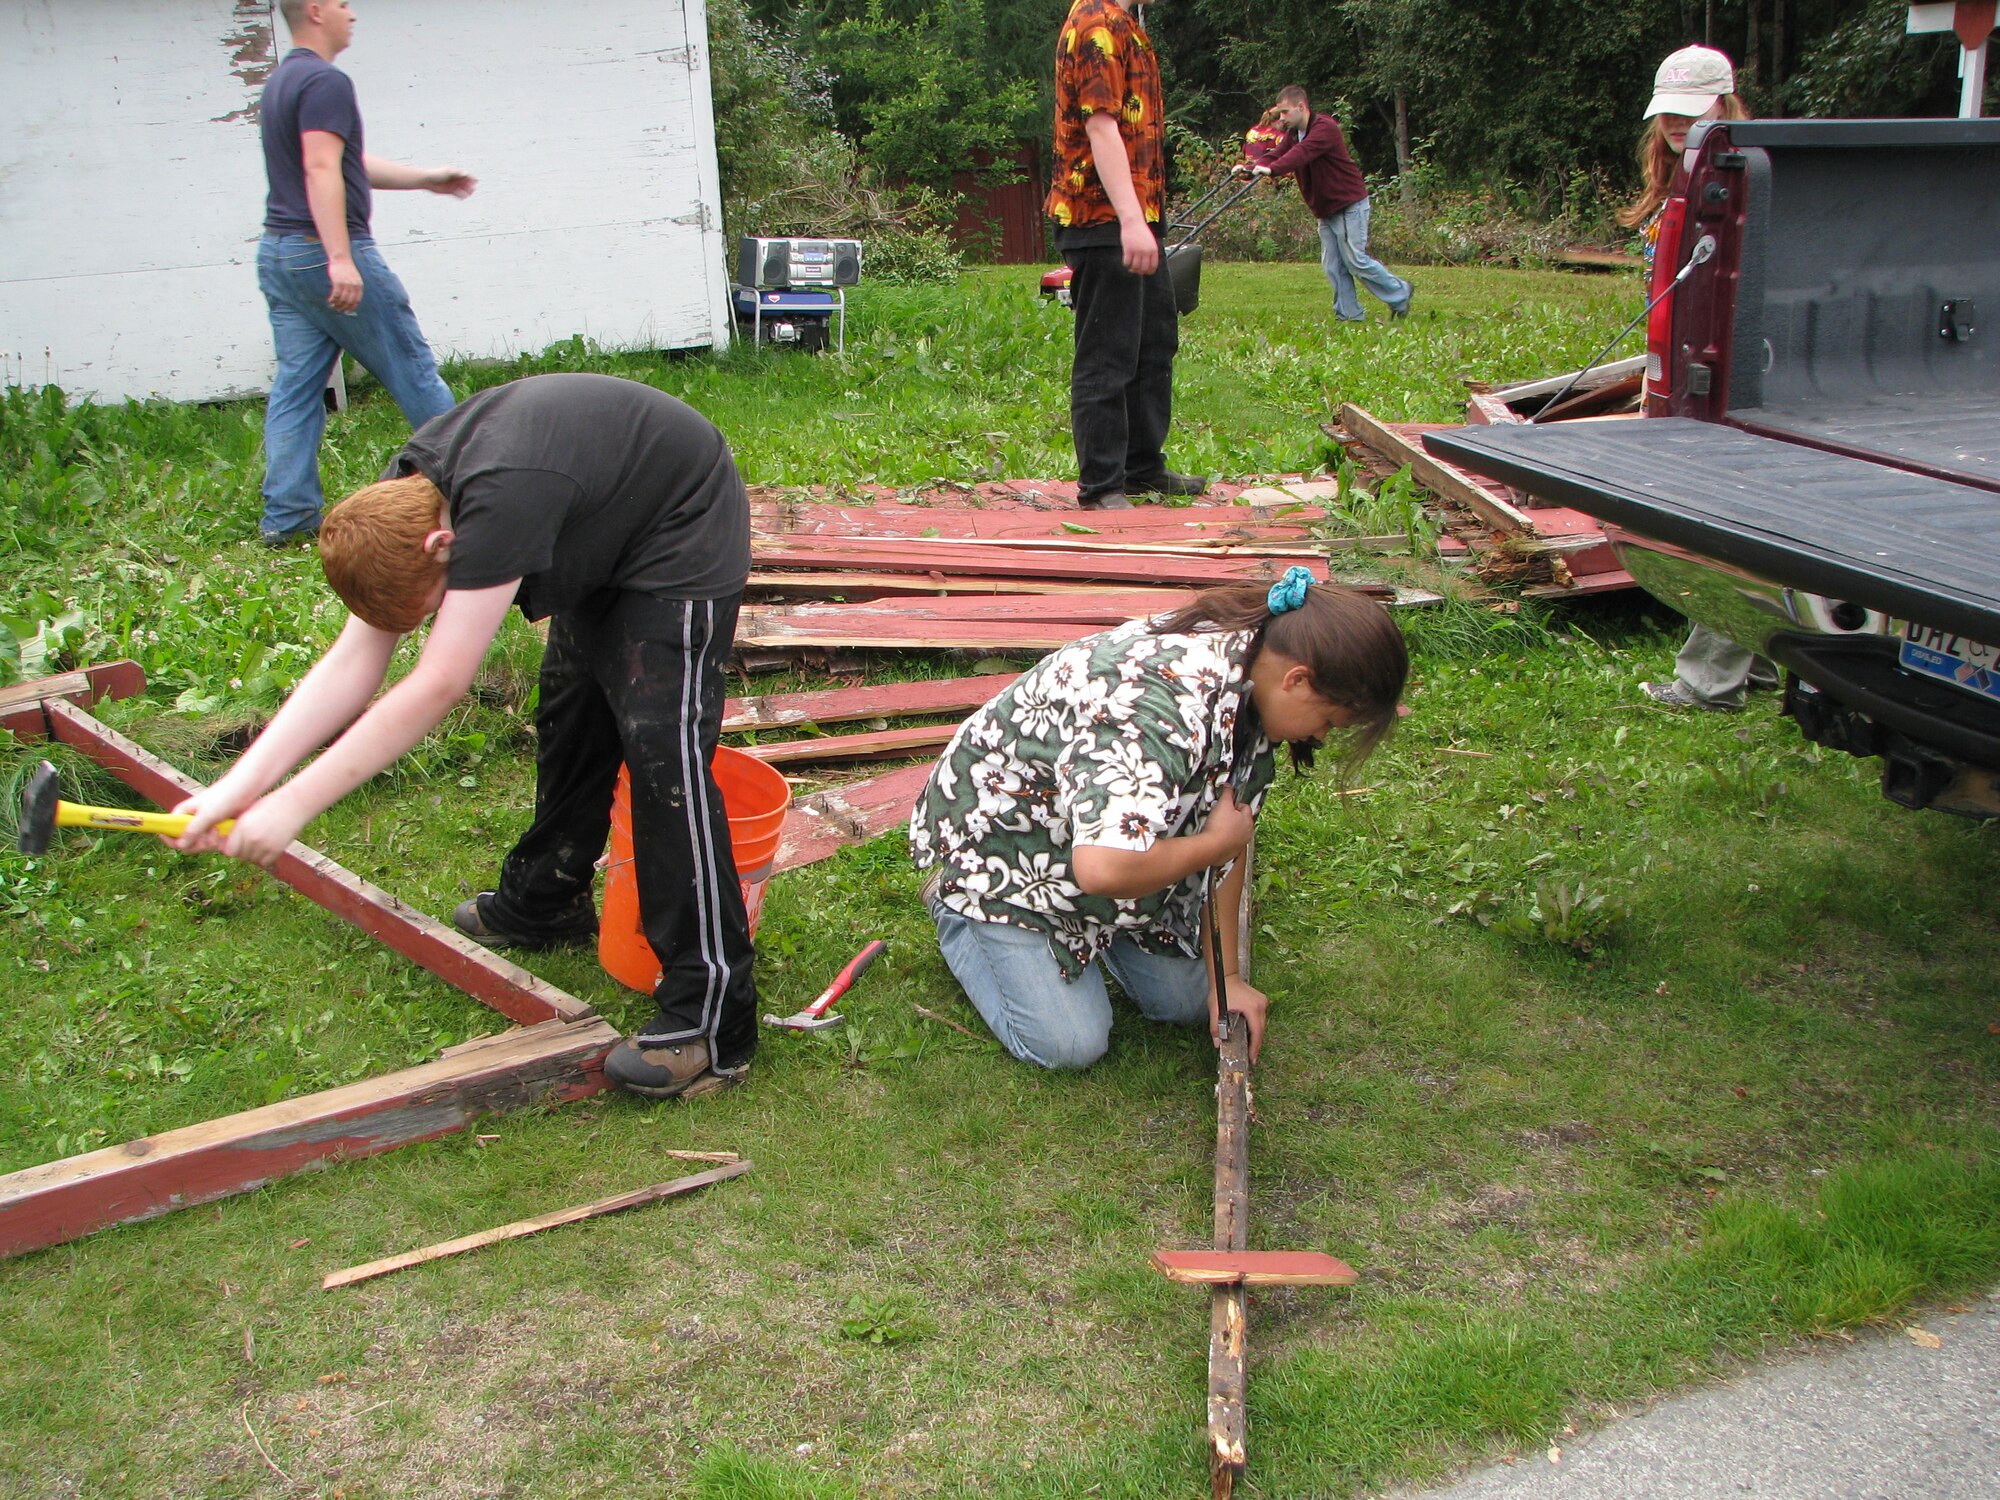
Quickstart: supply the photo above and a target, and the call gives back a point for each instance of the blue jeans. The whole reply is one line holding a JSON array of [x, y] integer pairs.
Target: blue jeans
[[381, 334], [1343, 255], [1016, 985]]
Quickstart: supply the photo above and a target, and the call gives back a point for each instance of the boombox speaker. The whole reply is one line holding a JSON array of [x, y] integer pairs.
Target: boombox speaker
[[794, 262]]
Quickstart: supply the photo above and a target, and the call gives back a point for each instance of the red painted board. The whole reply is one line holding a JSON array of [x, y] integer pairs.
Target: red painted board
[[823, 822], [1184, 525], [1255, 1267], [880, 701], [454, 958], [1101, 607], [62, 1200], [895, 556]]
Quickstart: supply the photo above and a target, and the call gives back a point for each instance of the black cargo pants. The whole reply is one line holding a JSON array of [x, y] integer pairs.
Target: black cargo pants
[[1121, 382], [639, 679]]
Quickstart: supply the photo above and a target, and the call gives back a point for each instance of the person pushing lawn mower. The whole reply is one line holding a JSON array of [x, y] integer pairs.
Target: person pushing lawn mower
[[616, 512]]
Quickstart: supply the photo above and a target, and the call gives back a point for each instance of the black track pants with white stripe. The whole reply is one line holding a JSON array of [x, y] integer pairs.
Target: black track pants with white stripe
[[641, 679]]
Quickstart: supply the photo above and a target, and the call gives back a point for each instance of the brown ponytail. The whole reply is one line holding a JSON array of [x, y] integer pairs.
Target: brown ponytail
[[1348, 642]]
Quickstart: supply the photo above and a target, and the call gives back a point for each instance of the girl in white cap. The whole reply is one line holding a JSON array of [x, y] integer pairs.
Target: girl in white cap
[[1696, 83]]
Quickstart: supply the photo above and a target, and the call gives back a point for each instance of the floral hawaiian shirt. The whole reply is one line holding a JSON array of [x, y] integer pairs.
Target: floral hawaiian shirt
[[1105, 61], [1117, 741]]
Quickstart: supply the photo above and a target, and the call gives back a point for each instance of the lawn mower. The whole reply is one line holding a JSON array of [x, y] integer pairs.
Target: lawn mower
[[1184, 253]]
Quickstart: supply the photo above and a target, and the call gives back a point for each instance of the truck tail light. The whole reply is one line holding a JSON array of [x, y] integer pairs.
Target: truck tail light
[[1660, 323]]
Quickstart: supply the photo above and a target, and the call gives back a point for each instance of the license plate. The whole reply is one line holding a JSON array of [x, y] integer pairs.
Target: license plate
[[1972, 665]]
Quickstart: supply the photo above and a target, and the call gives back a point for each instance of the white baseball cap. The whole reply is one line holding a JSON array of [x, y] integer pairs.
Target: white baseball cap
[[1691, 80]]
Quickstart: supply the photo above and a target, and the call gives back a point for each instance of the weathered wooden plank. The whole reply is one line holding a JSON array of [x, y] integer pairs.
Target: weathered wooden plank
[[893, 555], [857, 584], [1228, 1323], [1188, 526], [821, 823], [1442, 478], [62, 1200], [450, 955], [111, 679], [521, 1228], [1254, 1268], [885, 744], [884, 700], [1099, 606]]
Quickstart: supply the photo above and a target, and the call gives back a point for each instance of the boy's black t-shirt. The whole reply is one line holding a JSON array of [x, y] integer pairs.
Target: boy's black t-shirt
[[306, 92], [579, 485]]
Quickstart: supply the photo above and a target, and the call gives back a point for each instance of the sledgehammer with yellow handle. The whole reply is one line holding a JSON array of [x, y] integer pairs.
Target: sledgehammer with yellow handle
[[42, 813]]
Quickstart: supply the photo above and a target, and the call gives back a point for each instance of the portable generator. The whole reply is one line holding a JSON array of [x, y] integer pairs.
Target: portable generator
[[794, 291]]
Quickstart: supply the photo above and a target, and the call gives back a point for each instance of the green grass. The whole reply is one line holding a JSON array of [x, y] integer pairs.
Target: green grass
[[1742, 1094]]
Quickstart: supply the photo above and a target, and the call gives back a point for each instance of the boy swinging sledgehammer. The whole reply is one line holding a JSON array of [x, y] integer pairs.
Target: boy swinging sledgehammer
[[616, 512]]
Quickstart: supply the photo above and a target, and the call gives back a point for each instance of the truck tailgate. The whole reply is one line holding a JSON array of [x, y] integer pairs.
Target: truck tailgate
[[1909, 545]]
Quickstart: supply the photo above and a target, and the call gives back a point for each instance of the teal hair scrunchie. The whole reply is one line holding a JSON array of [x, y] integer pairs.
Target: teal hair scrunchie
[[1289, 592]]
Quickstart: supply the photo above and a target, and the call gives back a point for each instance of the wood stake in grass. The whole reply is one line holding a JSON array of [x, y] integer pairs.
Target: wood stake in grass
[[522, 1227]]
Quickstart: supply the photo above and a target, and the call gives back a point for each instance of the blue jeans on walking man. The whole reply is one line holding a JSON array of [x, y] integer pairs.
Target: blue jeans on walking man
[[382, 335], [1343, 255]]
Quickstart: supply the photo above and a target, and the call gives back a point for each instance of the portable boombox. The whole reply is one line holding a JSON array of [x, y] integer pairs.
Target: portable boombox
[[792, 262]]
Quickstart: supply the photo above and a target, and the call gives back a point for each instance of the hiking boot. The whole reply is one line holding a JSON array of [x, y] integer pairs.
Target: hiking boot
[[1167, 482], [281, 539], [1404, 310], [676, 1072], [1675, 695], [1109, 500], [474, 918]]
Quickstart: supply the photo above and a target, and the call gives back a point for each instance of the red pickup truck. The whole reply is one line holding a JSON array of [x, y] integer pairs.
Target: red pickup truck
[[1817, 470]]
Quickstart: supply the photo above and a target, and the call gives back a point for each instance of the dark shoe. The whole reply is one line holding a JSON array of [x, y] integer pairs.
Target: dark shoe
[[289, 538], [679, 1072], [1675, 695], [1404, 310], [1167, 482], [473, 918], [1109, 500]]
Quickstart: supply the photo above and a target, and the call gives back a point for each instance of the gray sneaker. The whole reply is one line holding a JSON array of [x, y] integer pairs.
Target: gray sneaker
[[1675, 695], [678, 1072]]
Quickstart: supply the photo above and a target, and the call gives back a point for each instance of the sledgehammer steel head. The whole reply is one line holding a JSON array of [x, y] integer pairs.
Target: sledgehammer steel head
[[38, 810]]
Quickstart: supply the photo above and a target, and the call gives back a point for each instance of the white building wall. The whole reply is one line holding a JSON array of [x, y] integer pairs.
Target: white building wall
[[132, 182]]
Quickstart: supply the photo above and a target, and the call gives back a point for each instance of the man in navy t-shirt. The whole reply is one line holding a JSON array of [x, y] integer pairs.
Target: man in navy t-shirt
[[327, 286]]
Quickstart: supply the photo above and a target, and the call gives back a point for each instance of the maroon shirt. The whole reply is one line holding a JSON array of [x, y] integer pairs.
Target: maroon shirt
[[1328, 179]]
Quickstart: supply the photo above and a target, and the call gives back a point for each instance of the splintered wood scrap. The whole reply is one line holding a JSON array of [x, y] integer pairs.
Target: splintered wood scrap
[[931, 1015], [522, 1227], [1228, 1308], [1434, 474], [887, 744], [714, 1156]]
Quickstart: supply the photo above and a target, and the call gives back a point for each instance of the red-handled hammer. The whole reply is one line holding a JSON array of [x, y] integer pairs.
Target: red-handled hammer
[[816, 1017]]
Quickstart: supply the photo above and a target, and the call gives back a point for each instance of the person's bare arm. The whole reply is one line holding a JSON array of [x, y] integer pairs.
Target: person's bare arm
[[1114, 170], [326, 197], [465, 626], [396, 176]]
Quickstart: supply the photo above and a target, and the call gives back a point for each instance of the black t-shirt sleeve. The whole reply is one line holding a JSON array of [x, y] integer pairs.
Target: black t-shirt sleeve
[[326, 102], [505, 526]]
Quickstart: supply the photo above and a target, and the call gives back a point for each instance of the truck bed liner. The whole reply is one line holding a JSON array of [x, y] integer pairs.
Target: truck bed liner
[[1955, 435], [1912, 546]]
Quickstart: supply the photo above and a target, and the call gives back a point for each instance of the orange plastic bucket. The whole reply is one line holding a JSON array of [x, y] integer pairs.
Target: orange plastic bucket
[[755, 798]]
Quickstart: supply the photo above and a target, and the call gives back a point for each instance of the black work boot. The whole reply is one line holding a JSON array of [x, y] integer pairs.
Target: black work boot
[[475, 919], [1167, 482]]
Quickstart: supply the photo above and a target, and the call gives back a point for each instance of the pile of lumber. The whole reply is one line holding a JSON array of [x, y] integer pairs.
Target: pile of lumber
[[1545, 551], [1004, 570]]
